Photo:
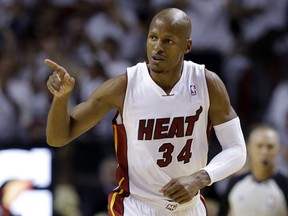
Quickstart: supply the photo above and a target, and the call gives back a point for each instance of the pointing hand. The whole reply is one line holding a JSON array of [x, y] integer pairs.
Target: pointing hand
[[60, 82]]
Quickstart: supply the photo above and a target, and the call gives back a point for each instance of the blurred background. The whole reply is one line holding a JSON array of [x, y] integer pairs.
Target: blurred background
[[245, 42]]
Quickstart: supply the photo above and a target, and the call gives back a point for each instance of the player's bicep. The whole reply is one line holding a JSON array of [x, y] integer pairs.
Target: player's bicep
[[85, 115], [108, 96], [220, 109]]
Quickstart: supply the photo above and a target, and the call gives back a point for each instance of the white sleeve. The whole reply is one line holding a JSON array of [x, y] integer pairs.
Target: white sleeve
[[233, 155]]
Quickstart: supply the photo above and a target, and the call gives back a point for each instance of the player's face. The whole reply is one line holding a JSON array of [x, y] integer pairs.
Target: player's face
[[166, 46], [263, 148]]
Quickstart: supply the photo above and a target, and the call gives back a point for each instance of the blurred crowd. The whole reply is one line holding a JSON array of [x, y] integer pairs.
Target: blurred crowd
[[245, 42]]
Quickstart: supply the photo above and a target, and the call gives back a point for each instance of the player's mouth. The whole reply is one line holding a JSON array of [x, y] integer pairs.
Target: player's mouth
[[157, 59]]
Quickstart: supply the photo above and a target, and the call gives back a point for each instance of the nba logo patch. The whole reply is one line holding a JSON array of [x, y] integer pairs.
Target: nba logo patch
[[193, 90]]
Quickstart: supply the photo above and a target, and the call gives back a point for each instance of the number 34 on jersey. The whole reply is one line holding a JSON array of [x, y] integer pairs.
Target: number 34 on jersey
[[154, 129]]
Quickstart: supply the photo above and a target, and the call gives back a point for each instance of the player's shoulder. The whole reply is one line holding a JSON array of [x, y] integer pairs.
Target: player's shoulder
[[215, 85], [193, 66], [212, 77], [120, 82], [138, 66], [111, 92], [116, 83], [111, 88]]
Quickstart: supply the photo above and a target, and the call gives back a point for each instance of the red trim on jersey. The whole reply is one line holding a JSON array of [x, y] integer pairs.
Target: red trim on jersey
[[116, 197], [120, 142], [116, 202], [204, 203]]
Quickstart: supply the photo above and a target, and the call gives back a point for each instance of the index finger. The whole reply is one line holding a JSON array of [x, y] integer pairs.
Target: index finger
[[53, 65]]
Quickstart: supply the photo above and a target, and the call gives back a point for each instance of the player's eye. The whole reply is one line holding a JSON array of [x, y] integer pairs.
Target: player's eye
[[169, 41], [153, 37]]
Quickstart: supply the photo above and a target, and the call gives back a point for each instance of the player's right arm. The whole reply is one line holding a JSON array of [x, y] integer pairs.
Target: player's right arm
[[64, 126]]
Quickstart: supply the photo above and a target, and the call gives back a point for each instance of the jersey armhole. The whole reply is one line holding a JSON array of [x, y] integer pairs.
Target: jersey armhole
[[117, 120]]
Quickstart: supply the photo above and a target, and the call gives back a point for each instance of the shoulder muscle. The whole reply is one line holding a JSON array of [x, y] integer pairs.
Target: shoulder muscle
[[106, 97], [220, 109], [111, 92]]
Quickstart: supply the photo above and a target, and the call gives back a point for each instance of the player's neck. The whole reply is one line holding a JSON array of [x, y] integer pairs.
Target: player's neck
[[166, 79]]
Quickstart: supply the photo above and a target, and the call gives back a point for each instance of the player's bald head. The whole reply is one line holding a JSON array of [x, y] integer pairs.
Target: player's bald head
[[176, 18]]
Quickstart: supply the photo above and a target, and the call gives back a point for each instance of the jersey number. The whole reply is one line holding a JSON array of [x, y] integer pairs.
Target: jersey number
[[167, 149]]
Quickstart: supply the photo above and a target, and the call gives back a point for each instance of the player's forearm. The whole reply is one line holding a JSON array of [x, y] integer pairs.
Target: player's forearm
[[58, 122], [226, 163], [233, 155]]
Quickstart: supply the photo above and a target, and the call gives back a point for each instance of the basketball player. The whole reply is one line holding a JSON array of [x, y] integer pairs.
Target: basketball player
[[263, 190], [165, 109]]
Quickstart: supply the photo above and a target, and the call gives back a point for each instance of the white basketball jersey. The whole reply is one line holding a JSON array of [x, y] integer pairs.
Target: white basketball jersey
[[161, 136]]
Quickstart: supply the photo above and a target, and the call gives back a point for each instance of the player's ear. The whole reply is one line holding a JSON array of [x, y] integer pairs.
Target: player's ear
[[188, 46]]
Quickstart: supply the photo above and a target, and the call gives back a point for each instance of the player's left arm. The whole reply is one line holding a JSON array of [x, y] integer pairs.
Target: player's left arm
[[228, 131]]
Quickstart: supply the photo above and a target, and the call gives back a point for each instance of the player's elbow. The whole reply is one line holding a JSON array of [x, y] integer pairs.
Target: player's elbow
[[242, 156]]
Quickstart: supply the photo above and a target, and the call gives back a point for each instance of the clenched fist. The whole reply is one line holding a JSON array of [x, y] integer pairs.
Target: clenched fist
[[60, 82], [183, 189]]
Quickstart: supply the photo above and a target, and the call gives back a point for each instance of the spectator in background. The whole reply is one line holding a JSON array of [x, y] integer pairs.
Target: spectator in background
[[9, 109], [211, 30], [277, 115], [259, 24], [95, 199], [114, 24], [157, 5], [18, 19], [212, 38], [77, 46], [114, 63], [237, 70], [95, 75], [263, 190], [18, 100], [258, 19], [66, 197]]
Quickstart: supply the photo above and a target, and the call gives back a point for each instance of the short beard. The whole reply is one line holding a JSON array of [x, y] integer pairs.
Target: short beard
[[156, 70]]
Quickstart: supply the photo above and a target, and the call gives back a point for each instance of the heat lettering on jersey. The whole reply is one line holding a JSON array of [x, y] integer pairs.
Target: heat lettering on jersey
[[161, 128]]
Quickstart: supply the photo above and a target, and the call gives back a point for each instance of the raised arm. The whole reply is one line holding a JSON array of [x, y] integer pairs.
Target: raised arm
[[64, 126]]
